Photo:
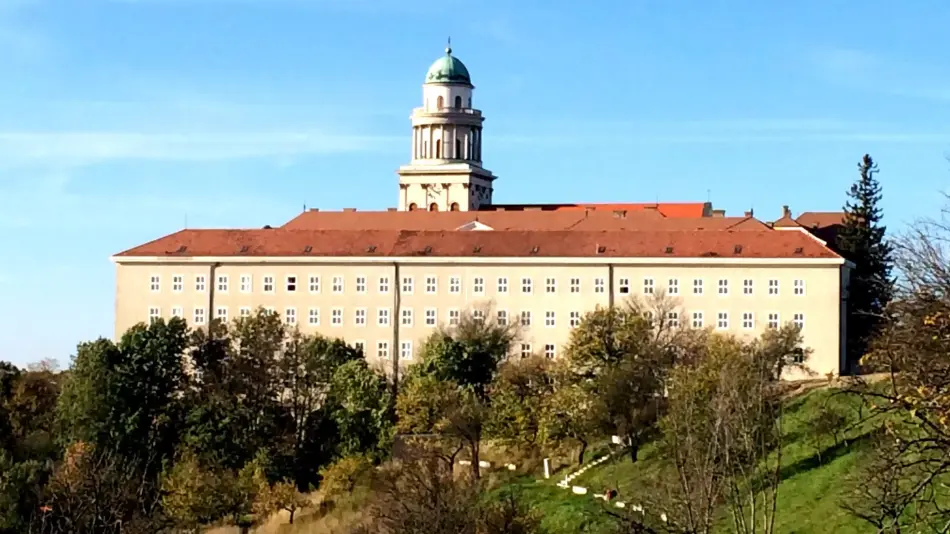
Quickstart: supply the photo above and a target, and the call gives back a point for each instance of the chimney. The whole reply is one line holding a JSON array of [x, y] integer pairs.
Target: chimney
[[786, 212], [620, 214], [719, 213], [748, 214], [314, 209], [390, 209], [349, 209]]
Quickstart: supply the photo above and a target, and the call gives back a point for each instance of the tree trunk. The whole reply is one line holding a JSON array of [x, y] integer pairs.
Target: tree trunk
[[634, 451], [580, 455], [292, 515], [476, 472]]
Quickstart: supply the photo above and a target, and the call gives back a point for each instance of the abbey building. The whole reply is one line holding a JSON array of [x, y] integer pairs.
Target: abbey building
[[383, 280]]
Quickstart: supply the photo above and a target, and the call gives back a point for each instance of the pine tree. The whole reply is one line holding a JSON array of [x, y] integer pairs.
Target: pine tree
[[861, 241]]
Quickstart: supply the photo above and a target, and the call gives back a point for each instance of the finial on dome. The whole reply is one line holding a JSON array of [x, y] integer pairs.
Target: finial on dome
[[448, 48]]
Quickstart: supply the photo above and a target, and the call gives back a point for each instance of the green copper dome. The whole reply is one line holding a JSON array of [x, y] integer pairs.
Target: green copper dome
[[448, 69]]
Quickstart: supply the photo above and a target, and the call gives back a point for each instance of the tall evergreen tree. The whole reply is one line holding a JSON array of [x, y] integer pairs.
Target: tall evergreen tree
[[862, 241]]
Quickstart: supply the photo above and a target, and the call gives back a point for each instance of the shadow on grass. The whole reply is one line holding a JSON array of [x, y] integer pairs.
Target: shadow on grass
[[826, 456]]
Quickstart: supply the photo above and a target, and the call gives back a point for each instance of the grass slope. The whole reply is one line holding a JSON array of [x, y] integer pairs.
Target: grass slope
[[815, 474]]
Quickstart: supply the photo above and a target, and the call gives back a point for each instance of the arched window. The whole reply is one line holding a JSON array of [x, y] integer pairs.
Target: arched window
[[433, 207], [470, 102], [454, 206], [439, 103], [413, 206], [458, 148], [458, 101]]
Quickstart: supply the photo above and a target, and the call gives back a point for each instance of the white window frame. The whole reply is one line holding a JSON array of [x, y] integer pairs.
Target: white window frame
[[502, 285], [478, 315], [550, 319], [698, 288], [722, 287], [774, 320], [550, 351], [244, 311], [359, 317], [574, 319], [200, 316], [406, 317], [338, 284], [313, 283], [290, 315], [524, 318], [525, 350], [432, 284], [798, 287], [798, 319], [313, 316], [478, 285], [408, 285], [154, 314], [550, 285], [221, 313], [360, 345], [673, 319], [336, 317], [748, 286], [673, 286], [698, 320], [405, 350], [575, 285], [360, 284], [722, 320], [155, 283], [201, 283], [383, 285], [223, 283], [382, 350], [748, 320], [383, 316], [600, 285], [501, 317], [623, 286], [291, 283], [178, 311], [268, 281], [774, 287], [527, 285], [649, 286], [431, 317], [454, 316], [455, 284], [178, 283], [246, 283]]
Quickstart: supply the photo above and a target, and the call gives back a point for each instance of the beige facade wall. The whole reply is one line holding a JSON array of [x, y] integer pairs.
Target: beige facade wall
[[809, 294]]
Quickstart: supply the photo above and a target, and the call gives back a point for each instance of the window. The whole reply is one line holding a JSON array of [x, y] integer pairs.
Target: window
[[549, 319], [773, 287], [336, 317], [723, 287], [154, 314], [598, 285], [406, 316], [431, 315], [269, 310], [313, 316], [200, 283], [244, 311], [453, 317], [798, 287], [525, 350], [773, 320], [178, 312], [361, 284], [550, 285], [246, 283], [623, 286], [798, 320], [314, 283], [575, 285], [360, 345], [575, 319], [407, 285], [455, 285], [747, 286], [268, 284], [698, 286], [647, 286], [697, 319], [798, 355], [382, 316], [359, 317], [155, 283], [748, 320], [290, 315], [291, 283], [722, 320], [478, 285], [222, 283], [549, 351], [221, 313], [384, 284], [431, 285], [526, 285], [525, 318], [382, 350], [648, 315], [673, 287], [458, 101], [502, 317], [673, 319], [199, 316], [337, 286], [502, 284], [178, 283], [405, 350], [478, 315]]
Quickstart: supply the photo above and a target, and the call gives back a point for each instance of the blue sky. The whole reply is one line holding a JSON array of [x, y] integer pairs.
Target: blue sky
[[122, 119]]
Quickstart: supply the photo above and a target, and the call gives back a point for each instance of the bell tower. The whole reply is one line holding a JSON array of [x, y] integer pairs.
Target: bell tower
[[445, 172]]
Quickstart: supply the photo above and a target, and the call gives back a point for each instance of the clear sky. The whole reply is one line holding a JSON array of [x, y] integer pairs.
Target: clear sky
[[120, 120]]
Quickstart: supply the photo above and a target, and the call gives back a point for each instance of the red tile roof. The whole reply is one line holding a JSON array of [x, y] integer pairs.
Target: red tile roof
[[667, 209], [820, 219], [405, 243], [513, 220]]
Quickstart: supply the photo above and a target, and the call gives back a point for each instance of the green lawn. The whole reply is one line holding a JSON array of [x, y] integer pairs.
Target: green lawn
[[810, 495]]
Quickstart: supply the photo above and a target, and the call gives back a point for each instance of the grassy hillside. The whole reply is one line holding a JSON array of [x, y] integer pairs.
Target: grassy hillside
[[816, 477]]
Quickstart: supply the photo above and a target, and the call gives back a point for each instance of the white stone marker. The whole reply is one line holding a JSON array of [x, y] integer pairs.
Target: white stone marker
[[547, 468]]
